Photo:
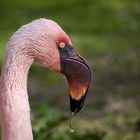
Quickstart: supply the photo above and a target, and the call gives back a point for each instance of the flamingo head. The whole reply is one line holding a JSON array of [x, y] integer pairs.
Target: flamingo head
[[56, 52]]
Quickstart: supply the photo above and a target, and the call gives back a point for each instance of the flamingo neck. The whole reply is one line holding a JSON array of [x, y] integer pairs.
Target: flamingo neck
[[14, 105]]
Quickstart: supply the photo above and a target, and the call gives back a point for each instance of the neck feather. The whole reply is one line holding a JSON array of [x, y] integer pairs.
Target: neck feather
[[14, 106]]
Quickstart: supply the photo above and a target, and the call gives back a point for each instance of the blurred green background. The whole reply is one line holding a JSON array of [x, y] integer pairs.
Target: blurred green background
[[107, 34]]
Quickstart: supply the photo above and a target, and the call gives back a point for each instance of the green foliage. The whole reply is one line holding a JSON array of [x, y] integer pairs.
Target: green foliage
[[112, 125], [49, 124], [46, 122]]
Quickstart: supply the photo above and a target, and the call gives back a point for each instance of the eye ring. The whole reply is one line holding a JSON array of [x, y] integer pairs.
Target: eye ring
[[61, 45]]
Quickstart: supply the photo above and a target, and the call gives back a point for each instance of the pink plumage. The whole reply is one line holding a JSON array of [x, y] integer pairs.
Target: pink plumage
[[36, 42]]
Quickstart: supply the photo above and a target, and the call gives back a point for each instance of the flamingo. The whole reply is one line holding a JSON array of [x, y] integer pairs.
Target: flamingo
[[45, 43]]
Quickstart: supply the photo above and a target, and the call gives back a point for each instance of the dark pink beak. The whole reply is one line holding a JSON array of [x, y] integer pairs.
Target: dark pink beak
[[78, 74]]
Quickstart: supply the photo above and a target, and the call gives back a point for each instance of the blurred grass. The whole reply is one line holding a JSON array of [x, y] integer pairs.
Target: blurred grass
[[107, 34]]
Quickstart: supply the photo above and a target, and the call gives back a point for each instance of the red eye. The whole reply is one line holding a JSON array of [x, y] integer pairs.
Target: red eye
[[61, 45]]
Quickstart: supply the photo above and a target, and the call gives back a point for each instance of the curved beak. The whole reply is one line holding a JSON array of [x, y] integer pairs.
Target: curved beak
[[78, 74]]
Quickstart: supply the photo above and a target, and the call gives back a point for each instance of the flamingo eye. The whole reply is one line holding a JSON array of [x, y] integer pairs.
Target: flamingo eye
[[61, 45]]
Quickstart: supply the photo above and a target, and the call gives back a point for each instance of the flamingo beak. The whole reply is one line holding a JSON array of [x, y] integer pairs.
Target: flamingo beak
[[78, 74]]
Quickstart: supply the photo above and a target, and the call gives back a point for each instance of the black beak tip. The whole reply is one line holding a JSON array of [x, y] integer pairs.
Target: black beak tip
[[76, 105]]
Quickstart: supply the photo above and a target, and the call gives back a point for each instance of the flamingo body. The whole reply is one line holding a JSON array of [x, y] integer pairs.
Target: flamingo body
[[38, 42]]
